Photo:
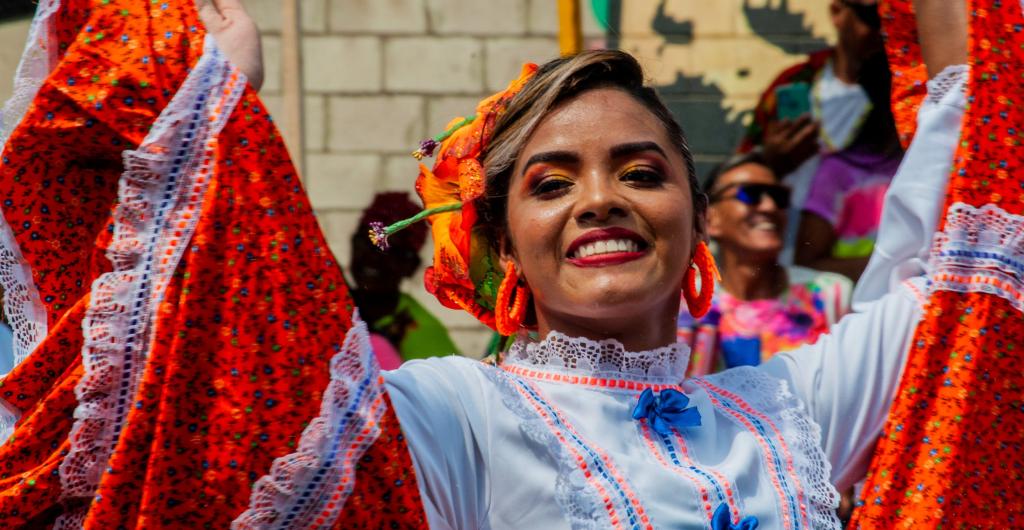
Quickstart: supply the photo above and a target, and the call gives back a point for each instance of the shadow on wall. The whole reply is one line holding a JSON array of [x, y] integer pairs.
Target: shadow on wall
[[713, 128], [783, 28]]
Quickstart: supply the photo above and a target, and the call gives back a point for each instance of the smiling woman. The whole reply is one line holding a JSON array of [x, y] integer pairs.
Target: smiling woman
[[565, 212], [599, 209]]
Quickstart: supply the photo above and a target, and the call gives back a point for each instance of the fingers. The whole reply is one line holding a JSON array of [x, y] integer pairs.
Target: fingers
[[808, 130], [207, 6]]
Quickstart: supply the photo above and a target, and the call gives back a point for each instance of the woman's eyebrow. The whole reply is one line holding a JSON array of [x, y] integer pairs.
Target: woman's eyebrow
[[557, 157], [633, 148]]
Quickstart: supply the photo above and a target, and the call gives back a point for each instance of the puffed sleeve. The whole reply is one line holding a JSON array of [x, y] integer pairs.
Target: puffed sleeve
[[438, 402], [913, 203]]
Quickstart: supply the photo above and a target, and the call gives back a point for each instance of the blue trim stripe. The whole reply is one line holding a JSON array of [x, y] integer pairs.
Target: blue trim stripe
[[780, 465], [670, 448], [594, 461]]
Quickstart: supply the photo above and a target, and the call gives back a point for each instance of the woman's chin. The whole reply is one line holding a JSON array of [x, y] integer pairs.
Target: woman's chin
[[619, 298]]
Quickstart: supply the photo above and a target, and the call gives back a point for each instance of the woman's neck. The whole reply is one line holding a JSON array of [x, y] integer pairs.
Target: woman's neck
[[752, 277], [637, 330]]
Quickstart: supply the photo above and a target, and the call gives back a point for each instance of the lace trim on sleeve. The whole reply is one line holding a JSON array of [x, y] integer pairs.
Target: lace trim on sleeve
[[951, 81], [22, 304], [980, 250], [159, 196], [308, 488], [755, 398]]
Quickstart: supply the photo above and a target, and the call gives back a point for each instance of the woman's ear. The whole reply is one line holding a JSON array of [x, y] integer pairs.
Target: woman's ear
[[506, 254]]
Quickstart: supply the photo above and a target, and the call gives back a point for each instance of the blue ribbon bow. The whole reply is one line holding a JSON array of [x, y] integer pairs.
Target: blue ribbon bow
[[720, 521], [667, 410]]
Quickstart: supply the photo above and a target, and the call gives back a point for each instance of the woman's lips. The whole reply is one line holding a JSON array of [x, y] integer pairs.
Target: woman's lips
[[606, 246]]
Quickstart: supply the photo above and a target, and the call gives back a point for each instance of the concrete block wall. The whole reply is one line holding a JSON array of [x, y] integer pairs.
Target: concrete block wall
[[379, 75]]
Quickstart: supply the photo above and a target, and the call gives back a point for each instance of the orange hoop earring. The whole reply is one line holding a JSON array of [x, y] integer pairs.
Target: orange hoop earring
[[510, 313], [703, 264]]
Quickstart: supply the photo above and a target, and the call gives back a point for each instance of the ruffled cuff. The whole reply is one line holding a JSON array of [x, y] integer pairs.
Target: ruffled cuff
[[309, 488]]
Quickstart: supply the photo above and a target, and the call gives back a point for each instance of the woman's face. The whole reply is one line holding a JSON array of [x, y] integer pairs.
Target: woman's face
[[752, 229], [600, 217]]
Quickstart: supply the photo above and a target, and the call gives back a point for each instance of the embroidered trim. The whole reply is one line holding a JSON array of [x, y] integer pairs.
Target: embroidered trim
[[751, 398], [980, 250], [951, 78], [584, 503], [606, 359], [160, 194], [582, 380], [308, 488], [697, 476], [22, 303], [592, 462], [918, 287]]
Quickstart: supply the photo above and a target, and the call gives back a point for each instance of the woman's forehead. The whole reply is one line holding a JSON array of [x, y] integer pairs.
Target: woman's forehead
[[598, 118]]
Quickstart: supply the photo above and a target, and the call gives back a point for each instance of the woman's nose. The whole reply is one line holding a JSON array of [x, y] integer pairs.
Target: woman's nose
[[598, 200]]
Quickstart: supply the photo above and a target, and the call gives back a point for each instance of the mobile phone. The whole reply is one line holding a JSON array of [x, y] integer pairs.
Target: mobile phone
[[792, 101]]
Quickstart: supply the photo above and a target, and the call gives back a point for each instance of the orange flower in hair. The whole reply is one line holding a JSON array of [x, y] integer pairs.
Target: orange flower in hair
[[465, 273]]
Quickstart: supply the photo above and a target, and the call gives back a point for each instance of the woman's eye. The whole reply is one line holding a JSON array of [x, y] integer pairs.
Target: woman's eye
[[643, 176], [551, 186]]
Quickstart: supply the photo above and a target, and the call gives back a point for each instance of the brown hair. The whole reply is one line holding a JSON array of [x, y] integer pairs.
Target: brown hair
[[556, 82]]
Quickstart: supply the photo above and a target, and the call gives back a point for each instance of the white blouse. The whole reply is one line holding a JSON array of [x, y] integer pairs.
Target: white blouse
[[548, 439]]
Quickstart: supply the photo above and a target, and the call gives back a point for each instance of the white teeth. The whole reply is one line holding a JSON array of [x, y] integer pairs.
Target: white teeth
[[606, 247], [765, 225]]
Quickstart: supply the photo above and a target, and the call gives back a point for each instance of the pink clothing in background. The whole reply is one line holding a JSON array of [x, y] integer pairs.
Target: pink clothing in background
[[387, 355], [848, 191]]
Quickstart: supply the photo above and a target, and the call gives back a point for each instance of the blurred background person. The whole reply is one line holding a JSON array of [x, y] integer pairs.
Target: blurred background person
[[761, 306], [401, 328], [819, 106], [843, 209]]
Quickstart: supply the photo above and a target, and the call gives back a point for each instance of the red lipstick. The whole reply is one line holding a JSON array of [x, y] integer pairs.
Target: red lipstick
[[607, 258]]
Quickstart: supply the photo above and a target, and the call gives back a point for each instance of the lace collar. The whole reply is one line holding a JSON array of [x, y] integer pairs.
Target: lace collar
[[606, 359]]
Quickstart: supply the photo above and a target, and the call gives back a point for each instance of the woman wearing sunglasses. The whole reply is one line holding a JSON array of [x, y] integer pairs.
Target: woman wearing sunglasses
[[760, 307]]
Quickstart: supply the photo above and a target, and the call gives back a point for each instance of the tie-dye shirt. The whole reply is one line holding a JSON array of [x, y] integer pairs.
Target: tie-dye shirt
[[848, 191], [747, 332]]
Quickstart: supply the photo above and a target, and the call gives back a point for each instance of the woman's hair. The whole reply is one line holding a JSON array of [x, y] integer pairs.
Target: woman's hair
[[556, 82]]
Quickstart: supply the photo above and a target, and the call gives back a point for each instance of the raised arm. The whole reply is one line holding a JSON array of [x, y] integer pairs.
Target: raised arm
[[914, 201], [942, 27], [848, 378]]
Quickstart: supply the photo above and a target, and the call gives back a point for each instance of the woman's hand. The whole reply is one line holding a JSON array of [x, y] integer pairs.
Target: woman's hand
[[236, 34]]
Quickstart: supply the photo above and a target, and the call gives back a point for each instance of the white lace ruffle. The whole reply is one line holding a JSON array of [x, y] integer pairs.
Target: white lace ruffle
[[296, 491], [160, 194], [950, 80], [22, 304], [607, 359], [580, 503], [772, 398], [980, 250]]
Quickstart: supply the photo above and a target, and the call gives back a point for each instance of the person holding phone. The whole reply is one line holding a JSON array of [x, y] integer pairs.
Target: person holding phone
[[818, 106]]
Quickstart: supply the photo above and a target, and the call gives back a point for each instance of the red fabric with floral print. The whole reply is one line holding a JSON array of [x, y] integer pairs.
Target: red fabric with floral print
[[909, 75], [254, 312], [950, 455]]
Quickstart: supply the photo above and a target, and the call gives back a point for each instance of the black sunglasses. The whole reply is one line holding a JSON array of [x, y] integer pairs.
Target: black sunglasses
[[867, 13], [751, 194]]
